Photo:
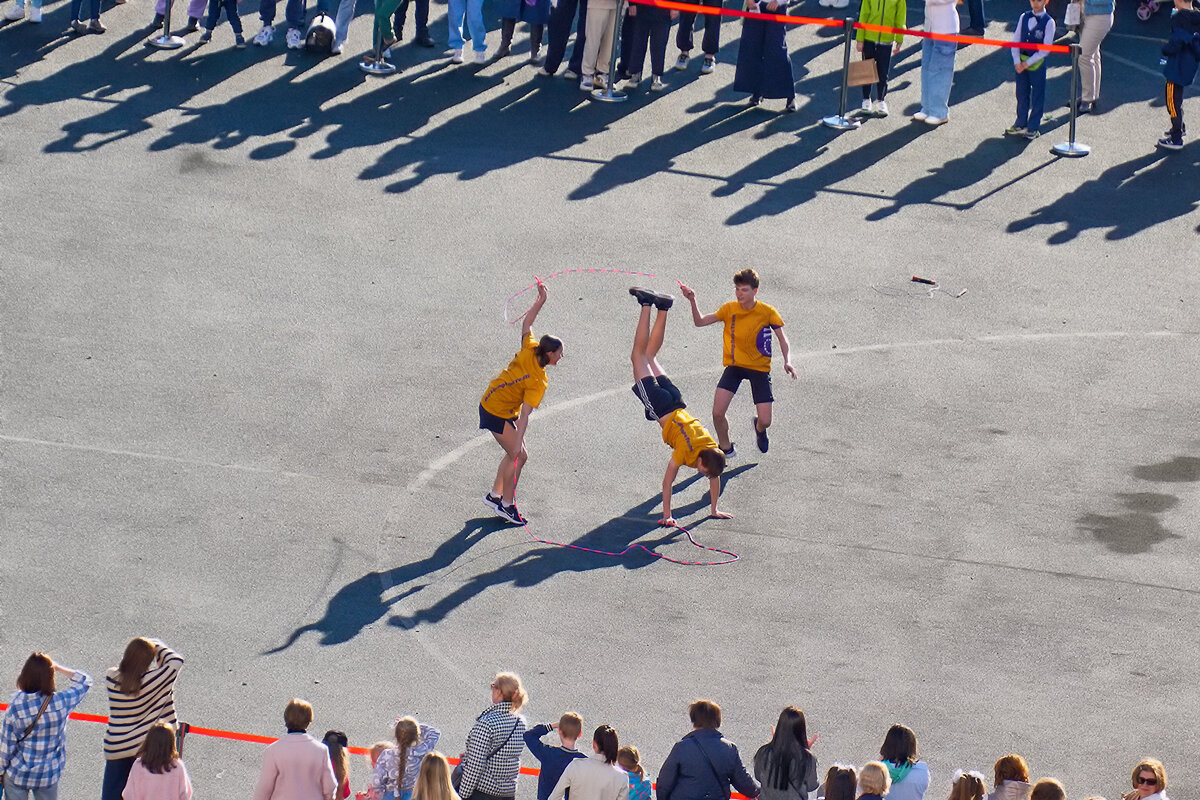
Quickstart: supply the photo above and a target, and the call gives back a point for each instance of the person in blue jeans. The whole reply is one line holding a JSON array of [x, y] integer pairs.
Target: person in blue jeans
[[937, 63], [472, 10], [1033, 27]]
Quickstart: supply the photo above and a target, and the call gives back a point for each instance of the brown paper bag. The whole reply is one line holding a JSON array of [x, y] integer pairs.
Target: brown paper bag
[[862, 73]]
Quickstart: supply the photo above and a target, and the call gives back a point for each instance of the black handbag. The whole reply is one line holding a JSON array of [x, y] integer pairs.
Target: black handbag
[[457, 773]]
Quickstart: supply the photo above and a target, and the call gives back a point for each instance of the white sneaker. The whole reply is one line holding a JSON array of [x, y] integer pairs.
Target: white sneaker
[[545, 73], [15, 13], [481, 56], [632, 84], [920, 116], [571, 74], [586, 84], [881, 109], [295, 39], [264, 36], [600, 80], [456, 57], [936, 120], [656, 84], [35, 14], [868, 107]]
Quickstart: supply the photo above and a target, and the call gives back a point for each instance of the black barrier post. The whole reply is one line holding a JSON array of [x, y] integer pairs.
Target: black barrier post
[[609, 94], [1072, 148], [841, 122], [165, 41], [377, 64]]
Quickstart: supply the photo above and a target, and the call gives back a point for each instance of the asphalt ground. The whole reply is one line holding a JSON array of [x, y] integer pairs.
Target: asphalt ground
[[252, 298]]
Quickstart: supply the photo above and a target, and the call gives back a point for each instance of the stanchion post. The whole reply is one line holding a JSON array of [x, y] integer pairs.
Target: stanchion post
[[841, 122], [1072, 148], [165, 41], [608, 94], [377, 65]]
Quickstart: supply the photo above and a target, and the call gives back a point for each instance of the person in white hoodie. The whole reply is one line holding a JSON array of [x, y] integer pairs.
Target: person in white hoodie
[[937, 63], [597, 777], [910, 777], [1149, 781], [1011, 779]]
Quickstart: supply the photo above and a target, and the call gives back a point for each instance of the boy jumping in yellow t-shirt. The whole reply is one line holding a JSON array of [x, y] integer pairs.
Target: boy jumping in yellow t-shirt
[[691, 445], [747, 355]]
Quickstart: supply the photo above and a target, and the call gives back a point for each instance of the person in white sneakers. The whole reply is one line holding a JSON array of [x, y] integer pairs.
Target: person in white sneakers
[[881, 47], [18, 11], [294, 14], [937, 63], [597, 48]]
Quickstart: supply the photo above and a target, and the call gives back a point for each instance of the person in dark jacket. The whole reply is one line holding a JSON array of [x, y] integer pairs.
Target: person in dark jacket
[[764, 68], [1183, 55], [785, 765], [554, 760], [704, 764]]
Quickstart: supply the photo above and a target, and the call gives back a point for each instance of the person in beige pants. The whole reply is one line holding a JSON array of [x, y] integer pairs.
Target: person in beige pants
[[597, 45], [1097, 20]]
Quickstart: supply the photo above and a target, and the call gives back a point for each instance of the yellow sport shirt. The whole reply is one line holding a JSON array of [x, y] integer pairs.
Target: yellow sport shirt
[[748, 334], [522, 381], [687, 438]]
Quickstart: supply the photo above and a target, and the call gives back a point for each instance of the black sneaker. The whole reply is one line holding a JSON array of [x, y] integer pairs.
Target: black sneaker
[[1167, 143], [192, 26], [760, 436], [663, 301], [158, 21], [491, 501], [645, 297], [206, 37], [730, 453], [511, 514]]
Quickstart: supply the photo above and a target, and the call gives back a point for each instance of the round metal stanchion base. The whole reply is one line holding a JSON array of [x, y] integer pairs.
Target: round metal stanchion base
[[166, 42], [840, 123], [377, 67], [609, 96], [1070, 149]]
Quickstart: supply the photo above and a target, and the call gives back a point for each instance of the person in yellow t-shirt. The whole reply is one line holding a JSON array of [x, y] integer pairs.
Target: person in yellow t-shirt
[[509, 400], [691, 445], [747, 355]]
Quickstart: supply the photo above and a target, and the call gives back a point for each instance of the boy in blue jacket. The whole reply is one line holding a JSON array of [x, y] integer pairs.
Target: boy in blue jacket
[[1183, 55], [554, 759]]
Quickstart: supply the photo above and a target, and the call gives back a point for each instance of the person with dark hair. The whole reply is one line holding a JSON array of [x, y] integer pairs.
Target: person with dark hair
[[786, 766], [554, 759], [158, 773], [339, 758], [1048, 789], [509, 400], [746, 354], [841, 783], [33, 747], [141, 692], [598, 777], [704, 763], [296, 767], [691, 445], [909, 777]]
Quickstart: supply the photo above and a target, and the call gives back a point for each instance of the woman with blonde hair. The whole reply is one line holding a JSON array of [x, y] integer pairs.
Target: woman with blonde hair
[[1149, 781], [158, 773], [141, 692], [395, 773], [433, 779], [874, 781], [490, 765]]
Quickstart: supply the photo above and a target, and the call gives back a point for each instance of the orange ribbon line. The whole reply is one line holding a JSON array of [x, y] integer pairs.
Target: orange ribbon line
[[941, 37]]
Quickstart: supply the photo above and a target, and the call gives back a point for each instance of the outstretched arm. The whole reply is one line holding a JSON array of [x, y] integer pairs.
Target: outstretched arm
[[714, 494], [668, 482], [700, 320], [532, 313], [785, 350]]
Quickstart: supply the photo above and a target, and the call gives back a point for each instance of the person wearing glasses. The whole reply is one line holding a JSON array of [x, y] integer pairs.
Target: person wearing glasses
[[1149, 781], [493, 757]]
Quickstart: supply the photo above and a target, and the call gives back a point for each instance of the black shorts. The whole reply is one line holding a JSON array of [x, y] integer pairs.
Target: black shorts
[[659, 396], [490, 422], [760, 383]]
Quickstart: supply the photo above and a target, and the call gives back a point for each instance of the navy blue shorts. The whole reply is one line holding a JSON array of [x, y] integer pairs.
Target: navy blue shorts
[[760, 383], [490, 422], [659, 396]]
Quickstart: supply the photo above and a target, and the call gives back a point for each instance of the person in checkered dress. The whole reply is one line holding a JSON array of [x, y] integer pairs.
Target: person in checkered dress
[[493, 757], [32, 758]]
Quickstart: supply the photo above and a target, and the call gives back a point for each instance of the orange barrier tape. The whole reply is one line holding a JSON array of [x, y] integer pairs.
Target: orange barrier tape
[[787, 18]]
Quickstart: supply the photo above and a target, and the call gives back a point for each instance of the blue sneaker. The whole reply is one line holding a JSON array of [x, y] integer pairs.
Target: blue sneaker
[[760, 436]]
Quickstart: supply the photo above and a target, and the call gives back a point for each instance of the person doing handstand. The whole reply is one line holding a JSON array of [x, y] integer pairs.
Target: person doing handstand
[[692, 446]]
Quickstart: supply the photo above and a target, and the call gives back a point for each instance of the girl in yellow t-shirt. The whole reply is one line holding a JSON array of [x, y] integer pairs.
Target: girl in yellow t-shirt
[[506, 405]]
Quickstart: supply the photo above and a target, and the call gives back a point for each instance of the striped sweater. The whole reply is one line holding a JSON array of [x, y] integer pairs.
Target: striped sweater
[[131, 715]]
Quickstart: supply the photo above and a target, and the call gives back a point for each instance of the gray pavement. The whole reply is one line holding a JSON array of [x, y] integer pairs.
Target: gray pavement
[[251, 300]]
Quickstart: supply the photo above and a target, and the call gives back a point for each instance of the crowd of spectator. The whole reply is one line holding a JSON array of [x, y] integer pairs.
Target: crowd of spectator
[[143, 752]]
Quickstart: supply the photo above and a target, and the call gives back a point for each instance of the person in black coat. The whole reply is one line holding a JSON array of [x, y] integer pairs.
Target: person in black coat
[[764, 69], [1183, 55]]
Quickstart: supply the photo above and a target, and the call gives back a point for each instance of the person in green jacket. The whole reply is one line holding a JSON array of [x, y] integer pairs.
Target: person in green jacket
[[881, 47]]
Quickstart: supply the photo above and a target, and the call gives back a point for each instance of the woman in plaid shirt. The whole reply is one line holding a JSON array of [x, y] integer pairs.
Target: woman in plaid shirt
[[33, 753], [493, 757]]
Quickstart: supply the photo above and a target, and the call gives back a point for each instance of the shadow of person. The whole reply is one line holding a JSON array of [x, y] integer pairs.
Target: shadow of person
[[545, 562], [362, 601], [22, 44], [1126, 198]]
